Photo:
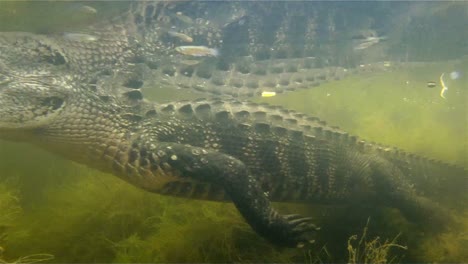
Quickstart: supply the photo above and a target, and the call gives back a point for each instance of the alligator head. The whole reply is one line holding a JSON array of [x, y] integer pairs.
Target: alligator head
[[31, 100], [45, 103], [33, 88]]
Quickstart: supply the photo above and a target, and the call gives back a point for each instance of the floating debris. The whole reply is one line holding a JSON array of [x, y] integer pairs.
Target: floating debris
[[455, 75], [442, 83], [431, 84], [197, 51], [268, 94], [181, 36], [80, 37]]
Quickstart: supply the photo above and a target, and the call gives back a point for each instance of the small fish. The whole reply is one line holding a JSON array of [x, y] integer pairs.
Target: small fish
[[431, 84], [190, 62], [181, 36], [375, 38], [364, 45], [80, 37], [368, 42], [364, 34], [88, 10], [183, 18], [444, 88], [197, 51], [80, 9]]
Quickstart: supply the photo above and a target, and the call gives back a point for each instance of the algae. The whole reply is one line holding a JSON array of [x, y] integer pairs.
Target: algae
[[29, 259], [9, 207], [10, 210], [371, 251]]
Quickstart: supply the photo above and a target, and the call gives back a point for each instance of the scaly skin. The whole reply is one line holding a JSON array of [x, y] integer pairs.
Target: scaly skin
[[254, 58], [215, 150], [82, 100]]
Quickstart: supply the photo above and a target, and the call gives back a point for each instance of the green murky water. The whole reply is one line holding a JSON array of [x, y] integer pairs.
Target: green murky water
[[53, 206]]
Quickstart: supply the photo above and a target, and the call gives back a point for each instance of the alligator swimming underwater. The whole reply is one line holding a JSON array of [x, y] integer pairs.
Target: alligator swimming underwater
[[82, 100]]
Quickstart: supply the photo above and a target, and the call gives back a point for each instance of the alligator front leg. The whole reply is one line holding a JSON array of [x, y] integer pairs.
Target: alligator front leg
[[213, 167]]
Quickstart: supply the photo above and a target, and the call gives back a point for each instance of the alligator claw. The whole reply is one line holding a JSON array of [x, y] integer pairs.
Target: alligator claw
[[292, 217], [299, 230], [300, 221]]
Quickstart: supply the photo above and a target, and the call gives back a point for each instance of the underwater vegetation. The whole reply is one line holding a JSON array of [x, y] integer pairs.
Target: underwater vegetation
[[10, 209], [81, 223], [374, 251], [30, 259]]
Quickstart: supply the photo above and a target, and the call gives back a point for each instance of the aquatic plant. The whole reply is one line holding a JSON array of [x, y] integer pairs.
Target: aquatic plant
[[9, 210], [9, 207], [29, 259], [373, 251], [447, 247]]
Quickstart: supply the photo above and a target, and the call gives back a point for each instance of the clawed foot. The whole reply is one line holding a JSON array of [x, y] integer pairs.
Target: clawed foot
[[296, 231]]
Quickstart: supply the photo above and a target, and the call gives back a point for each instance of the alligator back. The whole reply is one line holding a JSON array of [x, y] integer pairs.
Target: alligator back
[[295, 157], [256, 56]]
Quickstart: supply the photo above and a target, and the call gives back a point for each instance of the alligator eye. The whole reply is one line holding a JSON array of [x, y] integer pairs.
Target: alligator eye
[[54, 102], [55, 58], [49, 55]]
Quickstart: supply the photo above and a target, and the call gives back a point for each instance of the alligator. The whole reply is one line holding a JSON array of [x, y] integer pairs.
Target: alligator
[[82, 99], [251, 61]]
